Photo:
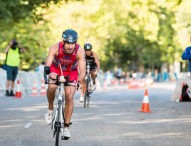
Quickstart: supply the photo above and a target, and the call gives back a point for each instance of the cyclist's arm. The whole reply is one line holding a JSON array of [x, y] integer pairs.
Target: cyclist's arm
[[81, 64], [52, 51], [96, 61]]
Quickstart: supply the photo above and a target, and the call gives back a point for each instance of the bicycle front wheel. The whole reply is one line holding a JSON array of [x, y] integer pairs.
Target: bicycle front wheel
[[58, 125], [87, 97], [88, 101]]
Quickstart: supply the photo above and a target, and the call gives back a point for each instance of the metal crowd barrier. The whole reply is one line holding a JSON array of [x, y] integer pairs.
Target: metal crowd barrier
[[30, 79]]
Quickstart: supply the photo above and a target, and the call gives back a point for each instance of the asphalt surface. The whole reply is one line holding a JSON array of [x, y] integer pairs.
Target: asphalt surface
[[113, 119]]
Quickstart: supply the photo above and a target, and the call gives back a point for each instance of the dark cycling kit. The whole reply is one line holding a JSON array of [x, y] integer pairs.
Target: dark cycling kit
[[91, 60]]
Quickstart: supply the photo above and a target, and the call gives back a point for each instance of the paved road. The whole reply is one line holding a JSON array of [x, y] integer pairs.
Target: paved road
[[112, 120]]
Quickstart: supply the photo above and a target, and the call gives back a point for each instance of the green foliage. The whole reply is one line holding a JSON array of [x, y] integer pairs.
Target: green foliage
[[17, 21], [124, 33], [15, 10]]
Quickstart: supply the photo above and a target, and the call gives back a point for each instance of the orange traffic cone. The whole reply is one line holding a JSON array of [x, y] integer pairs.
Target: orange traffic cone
[[34, 89], [42, 90], [18, 93], [145, 104]]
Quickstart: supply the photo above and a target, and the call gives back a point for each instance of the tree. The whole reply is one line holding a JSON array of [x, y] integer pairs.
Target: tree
[[124, 33]]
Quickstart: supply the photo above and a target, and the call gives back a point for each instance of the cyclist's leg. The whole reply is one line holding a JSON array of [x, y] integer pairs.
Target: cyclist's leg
[[69, 93], [51, 91], [50, 96], [69, 104], [68, 110], [52, 86], [93, 72], [93, 76], [82, 92]]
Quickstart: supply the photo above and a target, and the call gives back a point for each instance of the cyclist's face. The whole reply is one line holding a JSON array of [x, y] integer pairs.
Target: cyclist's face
[[69, 47], [88, 52]]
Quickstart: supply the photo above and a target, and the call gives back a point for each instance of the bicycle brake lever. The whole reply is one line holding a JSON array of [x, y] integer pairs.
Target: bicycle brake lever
[[78, 85], [45, 78]]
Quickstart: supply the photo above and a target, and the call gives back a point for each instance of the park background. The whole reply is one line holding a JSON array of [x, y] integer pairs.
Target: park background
[[146, 36]]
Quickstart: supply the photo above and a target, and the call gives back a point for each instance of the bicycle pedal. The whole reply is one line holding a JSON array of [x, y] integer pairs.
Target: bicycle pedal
[[64, 138]]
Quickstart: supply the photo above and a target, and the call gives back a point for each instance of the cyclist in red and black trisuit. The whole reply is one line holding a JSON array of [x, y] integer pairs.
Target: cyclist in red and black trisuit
[[94, 63], [70, 56]]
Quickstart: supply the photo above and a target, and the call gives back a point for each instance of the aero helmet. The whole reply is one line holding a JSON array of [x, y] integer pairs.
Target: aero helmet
[[87, 47], [70, 36]]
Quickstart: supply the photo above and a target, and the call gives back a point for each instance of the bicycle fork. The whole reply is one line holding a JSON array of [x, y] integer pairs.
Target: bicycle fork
[[58, 112]]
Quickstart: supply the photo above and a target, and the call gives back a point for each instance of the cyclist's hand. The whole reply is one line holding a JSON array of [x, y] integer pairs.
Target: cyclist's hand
[[47, 70], [81, 81], [78, 85]]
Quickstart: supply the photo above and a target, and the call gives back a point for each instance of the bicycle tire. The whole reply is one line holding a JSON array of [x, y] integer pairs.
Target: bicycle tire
[[85, 99], [88, 101], [86, 93], [89, 90], [58, 126]]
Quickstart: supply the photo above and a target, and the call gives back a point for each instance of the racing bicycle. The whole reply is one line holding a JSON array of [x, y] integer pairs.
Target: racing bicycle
[[57, 124], [88, 86]]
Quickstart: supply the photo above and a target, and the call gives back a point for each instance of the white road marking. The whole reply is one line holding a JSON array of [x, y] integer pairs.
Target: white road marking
[[28, 125]]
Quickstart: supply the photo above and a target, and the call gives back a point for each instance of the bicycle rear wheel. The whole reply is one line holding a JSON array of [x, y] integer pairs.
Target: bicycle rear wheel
[[58, 125]]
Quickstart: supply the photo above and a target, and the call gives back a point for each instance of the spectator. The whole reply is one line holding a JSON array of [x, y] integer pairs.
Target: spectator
[[41, 66], [187, 55], [13, 51], [118, 73]]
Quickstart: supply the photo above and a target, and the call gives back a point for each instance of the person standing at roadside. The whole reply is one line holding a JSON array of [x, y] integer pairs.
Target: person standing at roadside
[[41, 66], [186, 55], [13, 51]]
